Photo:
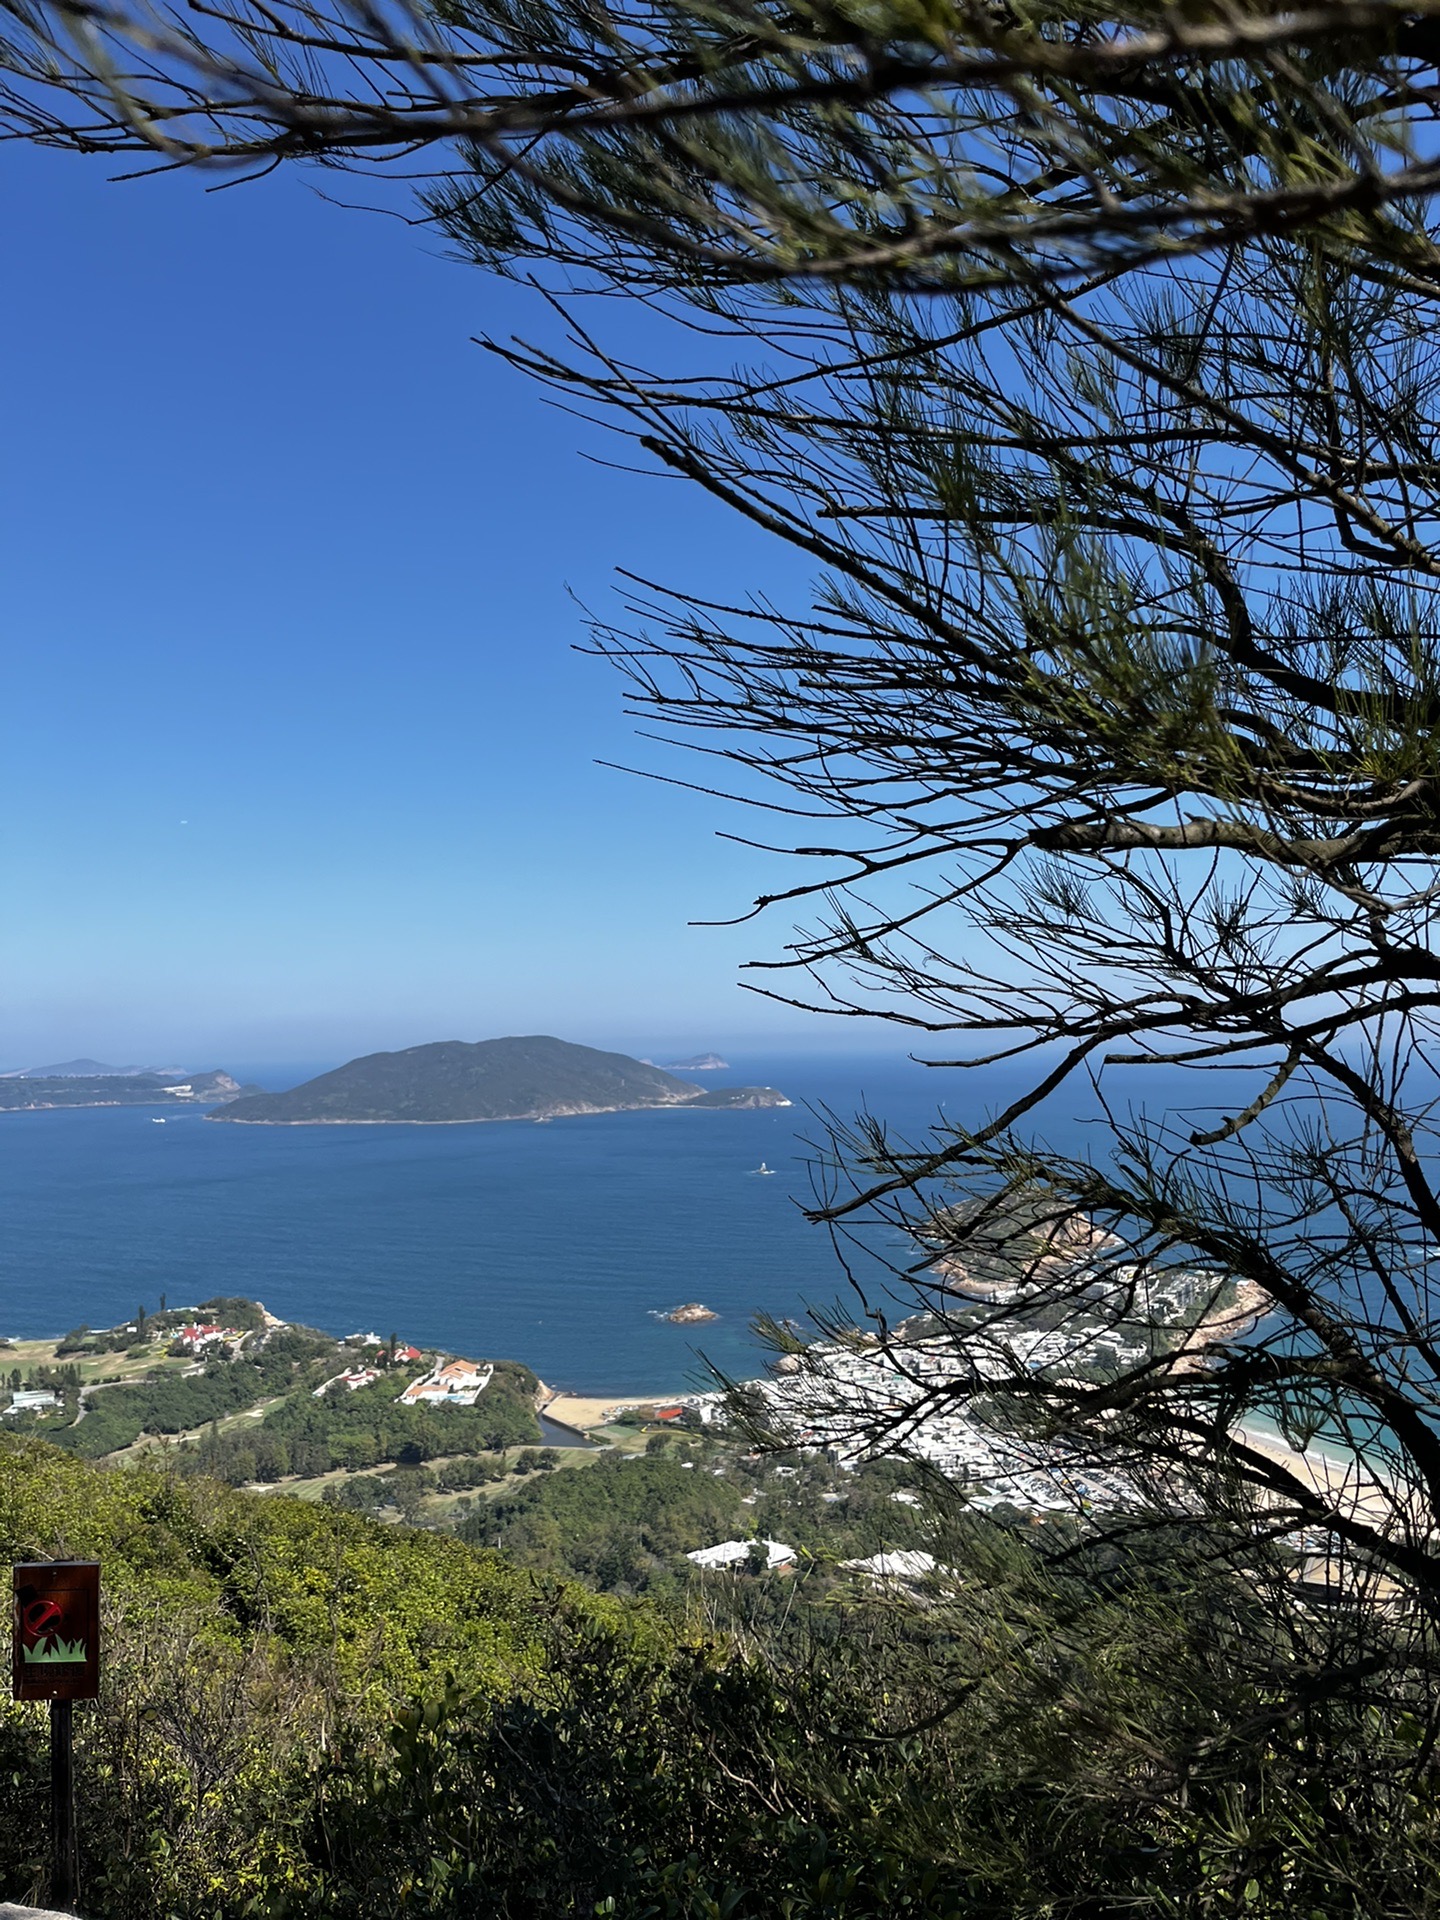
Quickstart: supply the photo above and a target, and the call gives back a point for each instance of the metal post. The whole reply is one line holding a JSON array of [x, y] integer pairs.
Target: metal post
[[62, 1806]]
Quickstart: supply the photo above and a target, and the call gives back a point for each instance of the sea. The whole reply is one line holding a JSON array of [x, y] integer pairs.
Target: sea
[[557, 1244]]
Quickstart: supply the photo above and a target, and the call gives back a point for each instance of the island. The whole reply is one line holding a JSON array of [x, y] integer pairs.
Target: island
[[700, 1063], [689, 1314], [33, 1093], [455, 1082], [735, 1097], [86, 1070]]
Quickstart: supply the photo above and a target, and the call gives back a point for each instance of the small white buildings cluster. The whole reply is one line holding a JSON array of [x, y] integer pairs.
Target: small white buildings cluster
[[842, 1398], [373, 1340], [31, 1400], [897, 1568], [353, 1378]]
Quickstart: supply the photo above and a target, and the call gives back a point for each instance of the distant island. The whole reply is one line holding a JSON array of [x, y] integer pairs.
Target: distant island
[[452, 1082], [88, 1070], [689, 1314], [32, 1093], [702, 1063]]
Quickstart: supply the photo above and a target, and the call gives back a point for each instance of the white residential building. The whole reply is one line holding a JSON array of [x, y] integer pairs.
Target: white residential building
[[454, 1383], [197, 1338], [734, 1553], [900, 1564], [31, 1400], [353, 1377]]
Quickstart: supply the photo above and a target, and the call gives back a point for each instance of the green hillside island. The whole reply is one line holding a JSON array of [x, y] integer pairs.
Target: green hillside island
[[454, 1081]]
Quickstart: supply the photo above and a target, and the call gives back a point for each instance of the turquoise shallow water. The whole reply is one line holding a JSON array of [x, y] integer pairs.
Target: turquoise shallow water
[[550, 1244]]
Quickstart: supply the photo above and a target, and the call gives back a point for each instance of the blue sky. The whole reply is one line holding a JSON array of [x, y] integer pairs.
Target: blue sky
[[297, 760]]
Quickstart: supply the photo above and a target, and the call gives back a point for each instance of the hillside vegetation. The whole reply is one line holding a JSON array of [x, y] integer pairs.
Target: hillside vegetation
[[312, 1708], [265, 1404], [308, 1713], [305, 1712]]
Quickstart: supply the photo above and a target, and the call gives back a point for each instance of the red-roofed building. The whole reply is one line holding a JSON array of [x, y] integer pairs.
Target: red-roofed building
[[196, 1337]]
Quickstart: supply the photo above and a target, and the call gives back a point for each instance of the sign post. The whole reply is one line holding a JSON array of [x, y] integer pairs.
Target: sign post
[[62, 1806], [56, 1657]]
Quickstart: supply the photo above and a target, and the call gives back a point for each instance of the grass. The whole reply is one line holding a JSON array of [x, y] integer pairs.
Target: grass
[[95, 1369]]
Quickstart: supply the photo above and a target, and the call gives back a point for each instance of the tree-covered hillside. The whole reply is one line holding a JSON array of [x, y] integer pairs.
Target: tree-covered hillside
[[267, 1403], [614, 1523], [308, 1713]]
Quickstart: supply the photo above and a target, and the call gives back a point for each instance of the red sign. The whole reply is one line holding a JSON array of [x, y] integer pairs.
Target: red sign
[[57, 1630]]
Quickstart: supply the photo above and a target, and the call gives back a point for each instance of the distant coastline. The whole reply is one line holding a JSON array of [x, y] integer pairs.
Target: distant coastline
[[478, 1120], [28, 1092]]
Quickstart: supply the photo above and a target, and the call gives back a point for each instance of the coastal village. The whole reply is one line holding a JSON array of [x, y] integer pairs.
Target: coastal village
[[837, 1410]]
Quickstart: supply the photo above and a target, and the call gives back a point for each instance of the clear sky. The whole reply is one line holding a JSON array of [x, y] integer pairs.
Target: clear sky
[[297, 760]]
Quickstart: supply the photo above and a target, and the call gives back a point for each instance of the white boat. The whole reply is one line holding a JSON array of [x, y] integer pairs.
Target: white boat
[[157, 1120], [762, 1168]]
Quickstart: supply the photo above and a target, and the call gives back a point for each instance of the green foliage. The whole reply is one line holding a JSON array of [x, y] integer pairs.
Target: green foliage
[[308, 1714], [617, 1523], [82, 1340], [56, 1379], [242, 1636], [456, 1476], [301, 1435], [598, 1793], [176, 1403], [356, 1431], [225, 1310]]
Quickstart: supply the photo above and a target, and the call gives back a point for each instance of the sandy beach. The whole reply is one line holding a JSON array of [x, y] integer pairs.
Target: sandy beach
[[586, 1410], [1348, 1484]]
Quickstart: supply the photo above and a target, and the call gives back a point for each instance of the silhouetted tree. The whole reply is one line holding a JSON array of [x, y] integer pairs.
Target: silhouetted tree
[[969, 146]]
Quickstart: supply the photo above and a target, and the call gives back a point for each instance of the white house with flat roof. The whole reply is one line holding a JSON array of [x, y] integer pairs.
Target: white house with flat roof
[[903, 1564], [456, 1383], [733, 1553], [31, 1400]]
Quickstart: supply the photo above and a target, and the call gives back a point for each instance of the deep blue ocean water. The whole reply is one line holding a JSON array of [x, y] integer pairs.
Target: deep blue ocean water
[[553, 1244]]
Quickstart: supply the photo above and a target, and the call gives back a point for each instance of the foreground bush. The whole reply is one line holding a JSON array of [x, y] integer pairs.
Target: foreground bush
[[308, 1713]]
